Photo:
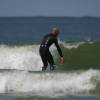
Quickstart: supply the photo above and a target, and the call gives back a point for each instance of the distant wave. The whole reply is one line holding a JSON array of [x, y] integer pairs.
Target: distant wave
[[74, 44]]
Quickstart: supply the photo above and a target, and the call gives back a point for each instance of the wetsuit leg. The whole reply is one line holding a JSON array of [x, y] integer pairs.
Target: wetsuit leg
[[50, 58], [51, 61], [44, 58]]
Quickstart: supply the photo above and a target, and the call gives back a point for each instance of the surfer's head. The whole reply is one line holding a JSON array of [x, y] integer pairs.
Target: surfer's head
[[55, 31]]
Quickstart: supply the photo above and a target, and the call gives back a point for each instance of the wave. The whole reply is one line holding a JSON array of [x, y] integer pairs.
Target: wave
[[49, 83], [57, 83], [26, 57], [71, 45], [20, 57], [81, 55]]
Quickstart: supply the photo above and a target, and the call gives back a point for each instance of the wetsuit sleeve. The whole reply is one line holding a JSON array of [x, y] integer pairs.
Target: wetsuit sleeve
[[58, 48]]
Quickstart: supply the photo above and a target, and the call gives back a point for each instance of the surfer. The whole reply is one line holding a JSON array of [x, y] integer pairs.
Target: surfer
[[45, 54]]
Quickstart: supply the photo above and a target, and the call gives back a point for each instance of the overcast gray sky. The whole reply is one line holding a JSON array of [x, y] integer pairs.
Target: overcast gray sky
[[50, 8]]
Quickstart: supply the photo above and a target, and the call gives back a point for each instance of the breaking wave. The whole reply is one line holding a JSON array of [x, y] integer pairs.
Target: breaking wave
[[49, 83], [57, 83], [20, 57]]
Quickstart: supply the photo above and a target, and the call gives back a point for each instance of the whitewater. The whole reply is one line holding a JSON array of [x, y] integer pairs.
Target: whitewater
[[20, 73], [49, 84], [20, 57], [27, 57]]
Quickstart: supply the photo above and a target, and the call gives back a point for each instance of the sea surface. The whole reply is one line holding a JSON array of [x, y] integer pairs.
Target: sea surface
[[32, 29], [21, 77]]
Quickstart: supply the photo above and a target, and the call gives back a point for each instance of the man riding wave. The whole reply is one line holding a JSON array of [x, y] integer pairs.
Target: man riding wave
[[45, 54]]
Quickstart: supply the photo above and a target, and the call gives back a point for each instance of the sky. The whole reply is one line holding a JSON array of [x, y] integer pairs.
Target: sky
[[74, 8]]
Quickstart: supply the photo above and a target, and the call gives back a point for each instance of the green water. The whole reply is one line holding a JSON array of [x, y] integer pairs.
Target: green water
[[86, 56]]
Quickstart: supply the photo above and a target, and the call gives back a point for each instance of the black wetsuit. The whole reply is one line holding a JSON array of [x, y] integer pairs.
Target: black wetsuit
[[45, 54]]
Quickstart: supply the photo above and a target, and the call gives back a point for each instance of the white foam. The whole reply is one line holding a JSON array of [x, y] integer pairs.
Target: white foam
[[23, 58], [74, 44], [71, 45], [49, 84]]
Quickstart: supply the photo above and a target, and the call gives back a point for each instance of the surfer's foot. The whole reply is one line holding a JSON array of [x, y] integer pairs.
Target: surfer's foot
[[44, 68], [52, 67]]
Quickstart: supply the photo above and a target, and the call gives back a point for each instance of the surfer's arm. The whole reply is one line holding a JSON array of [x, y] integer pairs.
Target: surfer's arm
[[60, 52], [58, 48]]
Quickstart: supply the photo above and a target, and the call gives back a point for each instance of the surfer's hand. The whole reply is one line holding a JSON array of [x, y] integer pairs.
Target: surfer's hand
[[62, 60]]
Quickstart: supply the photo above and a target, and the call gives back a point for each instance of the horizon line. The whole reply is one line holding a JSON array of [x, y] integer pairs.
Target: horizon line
[[51, 16]]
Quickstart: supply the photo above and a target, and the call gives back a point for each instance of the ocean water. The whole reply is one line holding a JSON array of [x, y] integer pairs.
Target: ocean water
[[32, 29], [21, 77]]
